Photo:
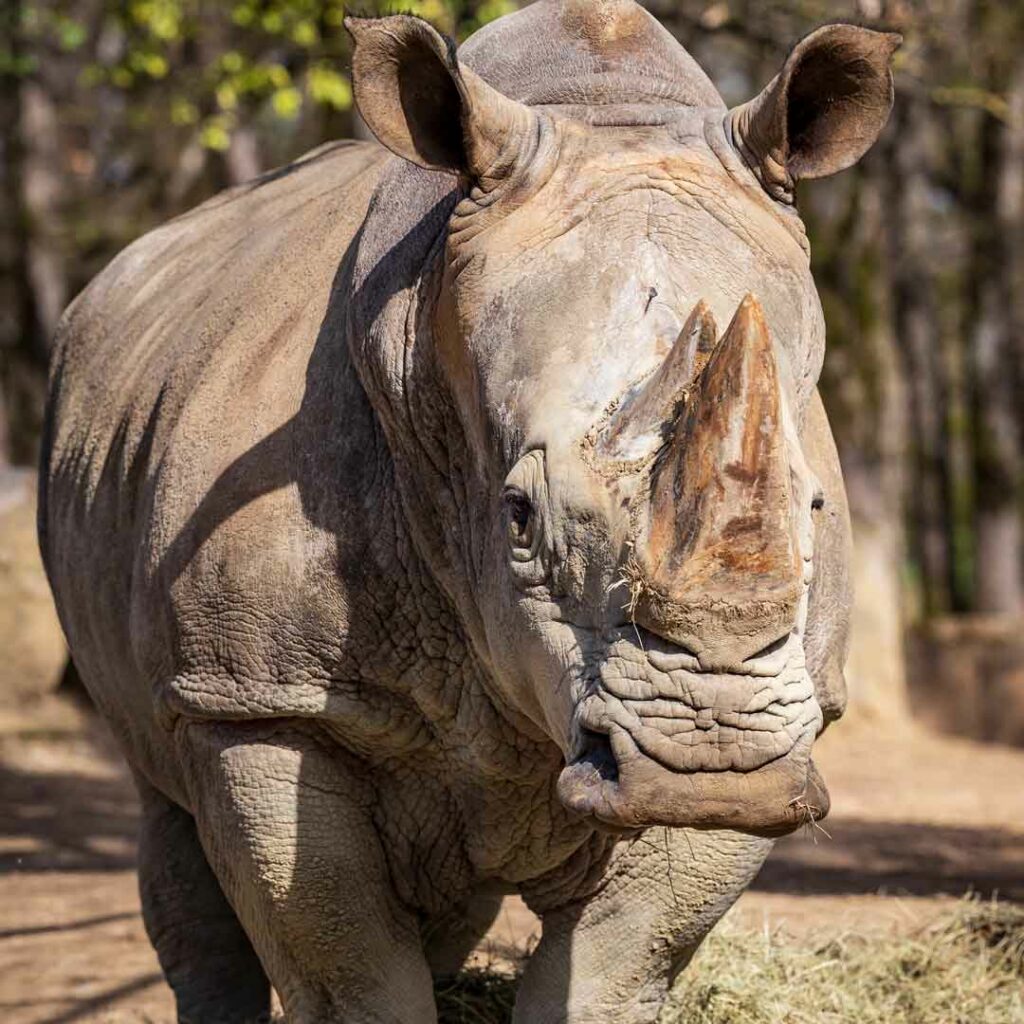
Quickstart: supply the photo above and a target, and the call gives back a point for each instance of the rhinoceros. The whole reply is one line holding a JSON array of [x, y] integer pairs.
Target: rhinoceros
[[457, 516]]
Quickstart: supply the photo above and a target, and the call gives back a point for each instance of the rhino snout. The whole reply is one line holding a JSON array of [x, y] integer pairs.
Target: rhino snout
[[660, 741]]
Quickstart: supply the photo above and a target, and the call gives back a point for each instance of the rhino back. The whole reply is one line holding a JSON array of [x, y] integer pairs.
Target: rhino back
[[210, 456]]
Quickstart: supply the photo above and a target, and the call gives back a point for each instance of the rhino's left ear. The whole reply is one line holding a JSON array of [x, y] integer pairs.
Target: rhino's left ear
[[425, 106], [823, 110]]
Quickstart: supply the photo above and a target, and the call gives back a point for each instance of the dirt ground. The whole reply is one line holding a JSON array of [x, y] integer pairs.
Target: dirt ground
[[917, 821]]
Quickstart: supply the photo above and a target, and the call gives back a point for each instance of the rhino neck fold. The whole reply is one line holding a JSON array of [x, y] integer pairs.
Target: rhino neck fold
[[391, 336]]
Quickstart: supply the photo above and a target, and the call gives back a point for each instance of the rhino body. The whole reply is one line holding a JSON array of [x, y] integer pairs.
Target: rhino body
[[424, 539]]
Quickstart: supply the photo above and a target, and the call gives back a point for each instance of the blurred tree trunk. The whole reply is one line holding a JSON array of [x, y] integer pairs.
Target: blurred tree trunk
[[11, 250], [872, 453], [243, 156], [35, 281], [41, 181], [920, 338], [865, 394], [999, 263]]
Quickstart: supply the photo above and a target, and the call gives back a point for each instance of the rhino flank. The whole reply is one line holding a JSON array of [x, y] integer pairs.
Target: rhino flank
[[460, 520]]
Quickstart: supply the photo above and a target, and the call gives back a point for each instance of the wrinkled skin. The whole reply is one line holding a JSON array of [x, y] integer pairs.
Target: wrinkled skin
[[436, 526]]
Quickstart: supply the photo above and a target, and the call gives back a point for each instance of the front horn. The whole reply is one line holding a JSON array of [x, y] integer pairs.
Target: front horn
[[719, 554]]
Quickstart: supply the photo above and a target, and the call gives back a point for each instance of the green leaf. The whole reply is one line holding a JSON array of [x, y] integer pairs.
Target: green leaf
[[227, 97], [326, 86], [243, 15], [70, 34], [162, 18], [286, 102], [278, 75], [215, 134], [436, 11], [232, 62], [305, 34], [491, 10], [272, 22], [183, 112]]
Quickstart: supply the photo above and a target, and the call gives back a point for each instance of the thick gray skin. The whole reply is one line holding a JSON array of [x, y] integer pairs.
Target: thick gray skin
[[271, 511]]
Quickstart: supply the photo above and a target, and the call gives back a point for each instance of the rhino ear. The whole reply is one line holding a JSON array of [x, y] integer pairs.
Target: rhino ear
[[822, 112], [423, 105]]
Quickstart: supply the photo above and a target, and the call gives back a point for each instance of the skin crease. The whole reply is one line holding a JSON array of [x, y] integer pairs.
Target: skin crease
[[373, 605]]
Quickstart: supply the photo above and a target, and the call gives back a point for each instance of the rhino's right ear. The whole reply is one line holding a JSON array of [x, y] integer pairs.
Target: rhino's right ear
[[822, 112], [425, 106]]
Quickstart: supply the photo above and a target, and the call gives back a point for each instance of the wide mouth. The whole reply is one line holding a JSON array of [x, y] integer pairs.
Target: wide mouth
[[617, 787], [659, 742]]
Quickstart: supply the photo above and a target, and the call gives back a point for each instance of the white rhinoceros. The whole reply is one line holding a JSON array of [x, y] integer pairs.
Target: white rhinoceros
[[423, 539]]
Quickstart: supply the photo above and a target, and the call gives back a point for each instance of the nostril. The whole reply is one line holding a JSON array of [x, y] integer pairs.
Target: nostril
[[773, 648], [596, 751]]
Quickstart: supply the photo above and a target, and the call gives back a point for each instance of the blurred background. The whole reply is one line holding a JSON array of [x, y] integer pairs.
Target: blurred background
[[118, 114]]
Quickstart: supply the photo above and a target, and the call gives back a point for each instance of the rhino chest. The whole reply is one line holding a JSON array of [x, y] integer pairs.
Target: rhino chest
[[447, 839]]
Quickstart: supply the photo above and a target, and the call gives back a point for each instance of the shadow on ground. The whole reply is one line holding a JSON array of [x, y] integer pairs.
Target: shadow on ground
[[860, 858], [64, 821]]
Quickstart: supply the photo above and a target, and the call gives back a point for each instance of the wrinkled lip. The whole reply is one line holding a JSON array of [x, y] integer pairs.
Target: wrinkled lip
[[612, 782]]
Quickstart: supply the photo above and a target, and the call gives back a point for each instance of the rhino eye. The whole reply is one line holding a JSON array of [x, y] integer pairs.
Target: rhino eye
[[519, 519], [522, 512]]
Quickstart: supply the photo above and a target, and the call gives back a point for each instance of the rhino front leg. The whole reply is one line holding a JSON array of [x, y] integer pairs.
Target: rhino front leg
[[205, 955], [286, 823], [612, 959]]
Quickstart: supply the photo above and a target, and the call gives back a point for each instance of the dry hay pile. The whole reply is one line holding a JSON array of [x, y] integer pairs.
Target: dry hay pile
[[966, 968]]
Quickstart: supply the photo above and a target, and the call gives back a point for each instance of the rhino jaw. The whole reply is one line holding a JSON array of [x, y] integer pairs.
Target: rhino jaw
[[613, 783]]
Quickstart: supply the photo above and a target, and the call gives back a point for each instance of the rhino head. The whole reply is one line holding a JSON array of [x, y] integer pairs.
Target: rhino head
[[597, 369]]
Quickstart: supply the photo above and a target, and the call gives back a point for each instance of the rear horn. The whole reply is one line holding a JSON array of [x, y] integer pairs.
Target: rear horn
[[636, 426]]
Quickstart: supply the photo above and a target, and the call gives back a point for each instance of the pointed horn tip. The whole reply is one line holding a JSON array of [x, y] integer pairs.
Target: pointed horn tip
[[749, 315], [747, 332], [698, 315], [701, 322]]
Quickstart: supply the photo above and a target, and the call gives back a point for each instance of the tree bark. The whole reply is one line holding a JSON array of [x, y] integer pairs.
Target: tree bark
[[243, 156], [34, 289], [999, 476], [864, 391], [920, 339], [42, 186]]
